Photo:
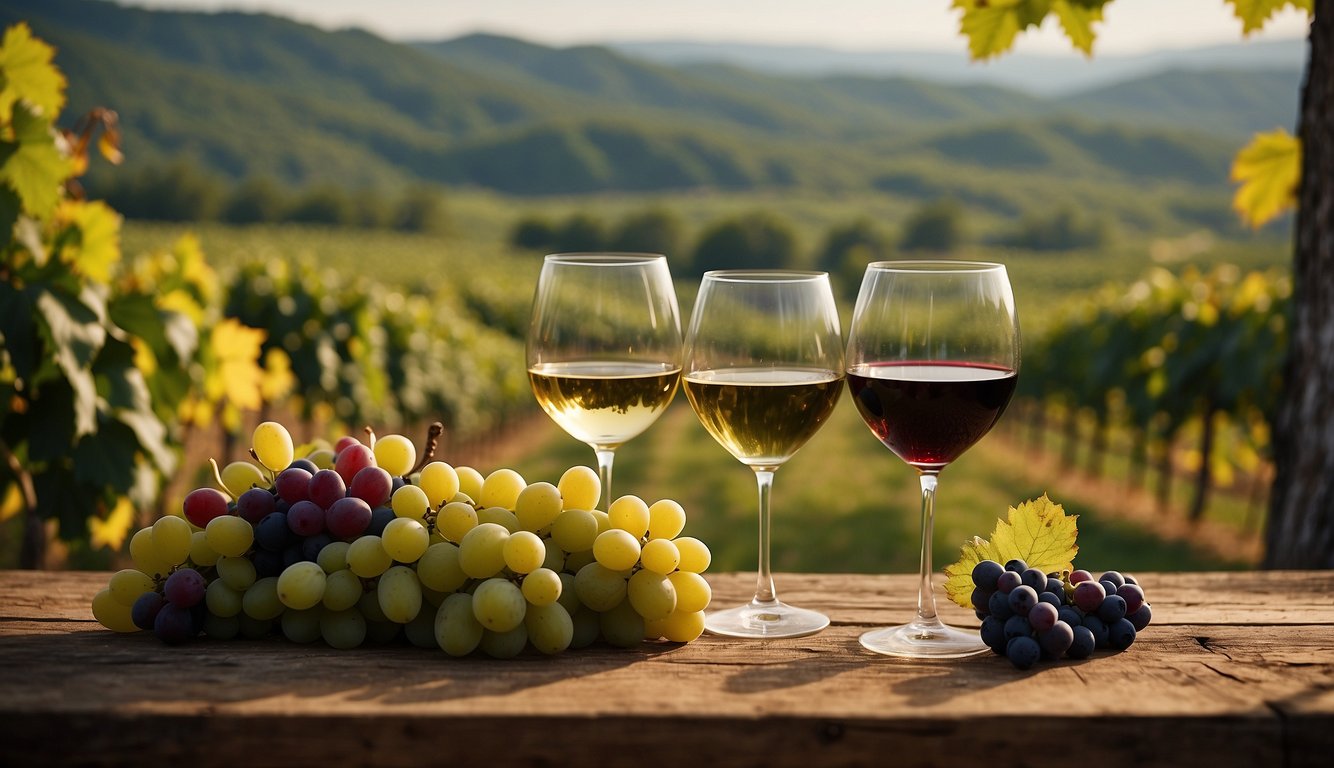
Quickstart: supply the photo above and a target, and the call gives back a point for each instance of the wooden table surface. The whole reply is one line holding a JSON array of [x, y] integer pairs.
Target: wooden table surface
[[1237, 669]]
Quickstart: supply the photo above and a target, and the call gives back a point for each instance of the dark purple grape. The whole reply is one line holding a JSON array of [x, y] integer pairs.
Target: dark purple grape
[[352, 460], [203, 504], [293, 554], [1083, 644], [1042, 617], [145, 609], [399, 482], [980, 598], [1023, 652], [1121, 634], [1141, 618], [267, 563], [1077, 577], [999, 606], [1034, 578], [993, 634], [1099, 629], [174, 624], [1022, 599], [254, 504], [1006, 583], [372, 485], [980, 614], [310, 548], [1112, 610], [1055, 586], [1109, 587], [1132, 580], [1057, 640], [985, 574], [306, 518], [1050, 599], [1133, 595], [272, 533], [349, 517], [1070, 615], [184, 588], [1113, 576], [1017, 626], [1016, 566], [326, 487], [293, 484], [1089, 595], [305, 464], [380, 517]]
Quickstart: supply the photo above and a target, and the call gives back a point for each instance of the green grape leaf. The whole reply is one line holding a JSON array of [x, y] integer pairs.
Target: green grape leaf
[[1254, 14], [28, 74], [1077, 19], [1268, 171], [33, 167], [1037, 532], [76, 334]]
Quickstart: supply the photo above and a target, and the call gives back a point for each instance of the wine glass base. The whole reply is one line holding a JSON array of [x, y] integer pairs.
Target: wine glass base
[[765, 621], [923, 641]]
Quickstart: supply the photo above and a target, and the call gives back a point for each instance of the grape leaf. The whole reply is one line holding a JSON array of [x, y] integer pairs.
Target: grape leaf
[[33, 166], [1077, 19], [97, 248], [1268, 169], [237, 376], [1037, 532], [28, 74], [1254, 14]]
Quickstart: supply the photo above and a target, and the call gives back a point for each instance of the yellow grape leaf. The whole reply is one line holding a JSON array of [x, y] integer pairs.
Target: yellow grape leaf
[[97, 249], [28, 74], [1077, 19], [11, 503], [1268, 170], [1037, 532], [111, 531], [34, 168], [1254, 14], [278, 379], [236, 372]]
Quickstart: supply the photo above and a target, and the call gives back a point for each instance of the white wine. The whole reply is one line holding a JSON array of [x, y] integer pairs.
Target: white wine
[[604, 403], [763, 415]]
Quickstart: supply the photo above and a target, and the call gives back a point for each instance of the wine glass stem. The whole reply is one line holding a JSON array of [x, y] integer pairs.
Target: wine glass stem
[[926, 598], [764, 582], [605, 456]]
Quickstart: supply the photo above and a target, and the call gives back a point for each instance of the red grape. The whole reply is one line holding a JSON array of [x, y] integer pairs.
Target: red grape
[[348, 517], [372, 485], [305, 518], [293, 485], [326, 487], [204, 504], [352, 460]]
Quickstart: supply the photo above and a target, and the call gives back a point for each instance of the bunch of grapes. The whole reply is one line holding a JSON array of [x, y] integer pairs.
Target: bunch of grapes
[[361, 543], [1027, 614]]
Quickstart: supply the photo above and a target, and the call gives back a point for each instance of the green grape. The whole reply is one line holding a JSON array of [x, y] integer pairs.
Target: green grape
[[524, 552], [145, 555], [455, 519], [366, 557], [555, 557], [342, 590], [253, 629], [660, 556], [221, 627], [550, 628], [439, 568], [228, 535], [395, 454], [695, 556], [322, 458], [482, 550], [343, 629], [616, 549], [201, 553], [604, 522], [692, 591], [410, 502], [537, 506], [683, 626], [400, 594], [568, 597], [630, 514], [127, 585], [236, 572], [500, 516], [302, 626], [240, 476], [504, 645], [172, 539], [580, 488], [651, 594], [587, 626], [440, 482], [501, 489], [421, 630], [599, 588], [498, 605], [333, 557], [655, 629], [405, 539], [222, 600], [261, 600], [542, 587], [470, 481], [576, 560], [434, 597], [112, 613], [574, 530], [457, 630], [622, 626], [382, 632], [301, 585], [369, 605], [273, 446], [464, 498], [666, 519]]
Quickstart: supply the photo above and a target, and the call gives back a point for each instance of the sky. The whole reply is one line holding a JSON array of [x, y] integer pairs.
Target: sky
[[1130, 26]]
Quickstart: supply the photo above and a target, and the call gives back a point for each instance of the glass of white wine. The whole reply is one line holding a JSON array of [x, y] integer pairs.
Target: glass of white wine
[[763, 371], [604, 347]]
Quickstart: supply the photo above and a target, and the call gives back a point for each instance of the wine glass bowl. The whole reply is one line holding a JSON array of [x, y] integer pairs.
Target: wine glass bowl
[[933, 360], [604, 347], [763, 371]]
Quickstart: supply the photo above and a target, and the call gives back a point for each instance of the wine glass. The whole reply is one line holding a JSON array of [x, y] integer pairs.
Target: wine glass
[[763, 370], [604, 347], [933, 359]]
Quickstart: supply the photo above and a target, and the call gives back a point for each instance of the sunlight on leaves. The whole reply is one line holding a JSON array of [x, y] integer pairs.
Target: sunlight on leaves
[[110, 532], [96, 251], [1268, 171], [1254, 14], [29, 75], [1037, 532]]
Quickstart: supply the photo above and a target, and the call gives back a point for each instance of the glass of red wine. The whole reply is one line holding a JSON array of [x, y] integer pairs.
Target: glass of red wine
[[933, 359]]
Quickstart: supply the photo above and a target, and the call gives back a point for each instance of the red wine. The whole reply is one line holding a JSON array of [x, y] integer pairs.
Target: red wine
[[929, 413]]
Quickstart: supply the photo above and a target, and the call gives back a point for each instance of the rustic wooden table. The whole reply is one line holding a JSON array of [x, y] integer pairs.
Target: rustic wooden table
[[1238, 669]]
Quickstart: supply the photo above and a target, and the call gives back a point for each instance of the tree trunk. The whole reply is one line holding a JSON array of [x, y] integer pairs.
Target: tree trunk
[[1300, 530], [1204, 475]]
